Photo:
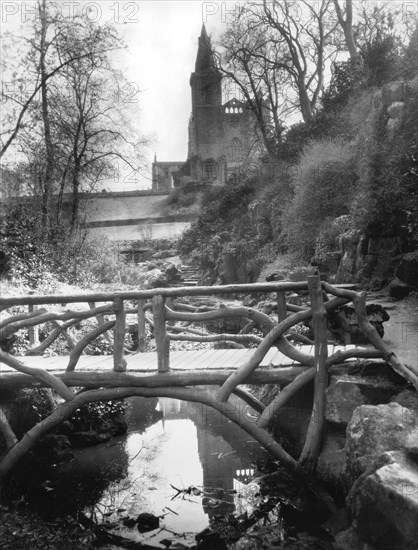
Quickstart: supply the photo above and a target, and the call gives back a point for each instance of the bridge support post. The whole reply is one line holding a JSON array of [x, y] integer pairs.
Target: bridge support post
[[141, 326], [162, 340], [119, 363], [313, 440], [33, 331], [281, 306]]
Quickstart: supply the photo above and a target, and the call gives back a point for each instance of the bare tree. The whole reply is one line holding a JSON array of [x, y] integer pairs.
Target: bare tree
[[72, 129], [276, 52], [346, 24]]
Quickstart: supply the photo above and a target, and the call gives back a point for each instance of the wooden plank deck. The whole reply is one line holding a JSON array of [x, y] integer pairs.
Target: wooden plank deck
[[227, 359]]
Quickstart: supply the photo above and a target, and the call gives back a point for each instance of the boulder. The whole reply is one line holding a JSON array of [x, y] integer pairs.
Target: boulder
[[383, 503], [372, 431], [407, 398], [346, 393], [398, 289], [173, 274]]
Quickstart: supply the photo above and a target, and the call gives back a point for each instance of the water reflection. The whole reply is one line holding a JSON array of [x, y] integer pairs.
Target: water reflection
[[171, 446]]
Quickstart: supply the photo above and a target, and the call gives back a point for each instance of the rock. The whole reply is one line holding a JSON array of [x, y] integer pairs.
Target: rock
[[395, 110], [411, 445], [407, 271], [407, 398], [376, 314], [172, 274], [398, 289], [374, 430], [383, 503], [275, 276], [129, 522], [147, 522], [294, 299], [345, 393], [383, 245]]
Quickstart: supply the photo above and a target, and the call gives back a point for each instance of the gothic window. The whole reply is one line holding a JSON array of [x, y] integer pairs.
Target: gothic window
[[236, 150], [210, 169]]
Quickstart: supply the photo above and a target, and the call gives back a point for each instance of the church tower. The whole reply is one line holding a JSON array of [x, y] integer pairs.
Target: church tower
[[205, 126], [222, 136]]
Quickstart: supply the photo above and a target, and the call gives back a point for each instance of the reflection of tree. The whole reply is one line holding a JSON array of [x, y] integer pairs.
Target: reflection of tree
[[141, 413]]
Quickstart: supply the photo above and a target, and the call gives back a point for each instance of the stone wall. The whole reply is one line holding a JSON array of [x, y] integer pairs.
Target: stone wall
[[383, 254]]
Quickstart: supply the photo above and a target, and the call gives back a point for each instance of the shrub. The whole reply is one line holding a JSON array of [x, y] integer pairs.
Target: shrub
[[323, 182], [329, 234]]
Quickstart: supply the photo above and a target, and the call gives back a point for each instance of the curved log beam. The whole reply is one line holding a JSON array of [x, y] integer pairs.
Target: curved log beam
[[8, 330], [217, 337], [22, 317], [299, 337], [272, 338], [262, 320], [308, 376], [8, 434], [250, 400], [50, 339], [63, 330], [408, 372], [49, 379], [181, 328], [79, 348]]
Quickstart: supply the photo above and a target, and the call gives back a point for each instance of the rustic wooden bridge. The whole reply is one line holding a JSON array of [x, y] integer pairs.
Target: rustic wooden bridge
[[279, 354]]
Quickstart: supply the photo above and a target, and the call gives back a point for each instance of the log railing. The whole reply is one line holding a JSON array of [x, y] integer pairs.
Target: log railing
[[170, 320]]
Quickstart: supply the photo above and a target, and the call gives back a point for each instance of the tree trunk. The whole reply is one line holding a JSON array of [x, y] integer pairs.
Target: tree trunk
[[48, 176]]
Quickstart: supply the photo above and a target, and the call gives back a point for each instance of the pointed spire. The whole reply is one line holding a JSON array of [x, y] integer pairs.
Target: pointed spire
[[155, 157], [204, 58]]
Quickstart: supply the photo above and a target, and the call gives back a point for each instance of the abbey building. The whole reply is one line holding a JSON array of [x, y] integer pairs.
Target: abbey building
[[222, 136]]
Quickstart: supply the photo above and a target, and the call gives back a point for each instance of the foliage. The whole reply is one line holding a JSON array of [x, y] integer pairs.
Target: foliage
[[185, 195], [323, 183], [381, 60], [387, 167], [329, 233], [96, 416]]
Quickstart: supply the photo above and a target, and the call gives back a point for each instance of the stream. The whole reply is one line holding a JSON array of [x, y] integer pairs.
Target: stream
[[182, 462]]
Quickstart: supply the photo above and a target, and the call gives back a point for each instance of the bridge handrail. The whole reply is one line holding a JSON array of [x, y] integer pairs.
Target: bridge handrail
[[174, 292], [274, 334]]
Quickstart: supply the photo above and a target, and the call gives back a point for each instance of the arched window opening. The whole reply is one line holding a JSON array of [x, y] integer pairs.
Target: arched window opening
[[210, 170], [236, 150]]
